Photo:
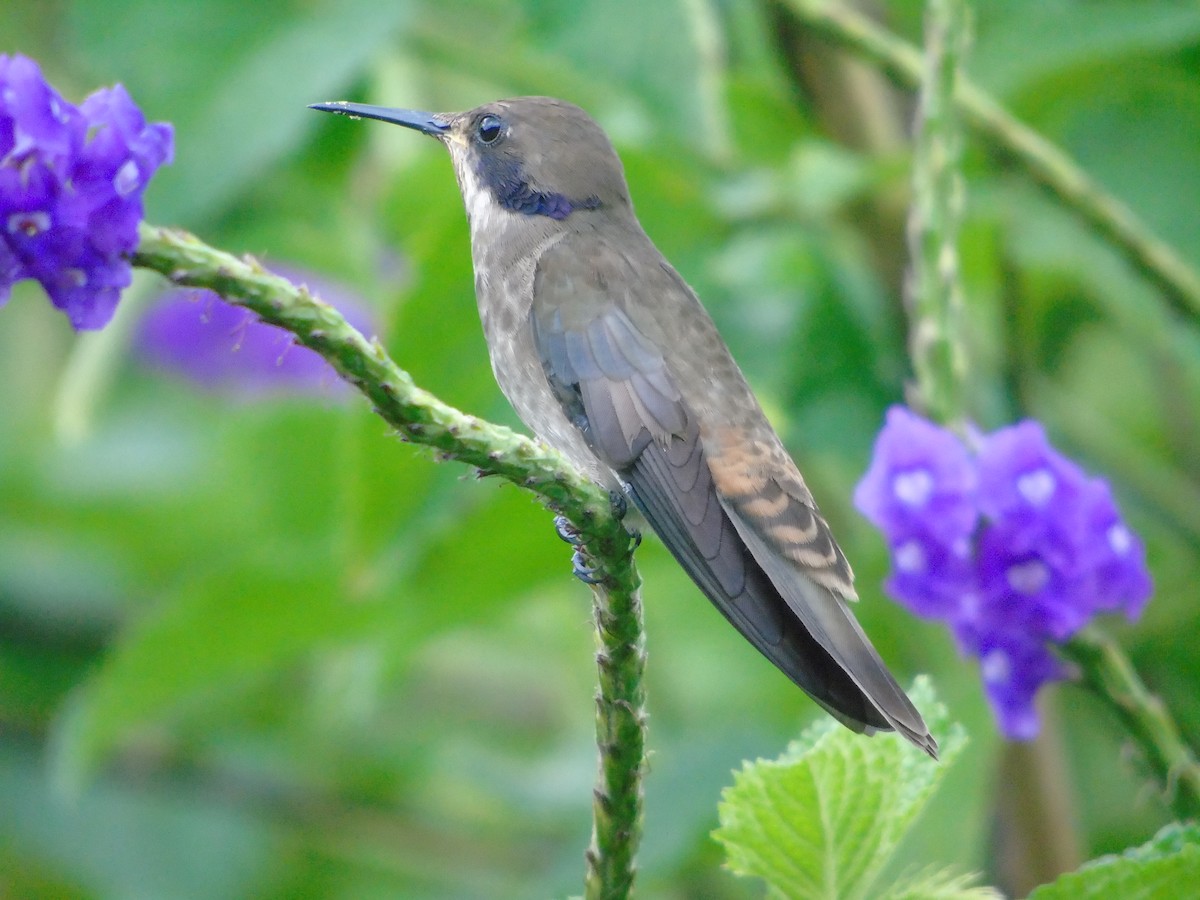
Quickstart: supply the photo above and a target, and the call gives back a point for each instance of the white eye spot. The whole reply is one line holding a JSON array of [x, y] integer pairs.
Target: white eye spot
[[995, 666], [127, 179], [910, 557], [57, 111], [913, 488], [1028, 577], [1119, 538], [1037, 486], [30, 224]]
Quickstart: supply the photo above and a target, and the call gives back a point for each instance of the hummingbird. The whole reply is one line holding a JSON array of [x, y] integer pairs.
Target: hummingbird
[[607, 355]]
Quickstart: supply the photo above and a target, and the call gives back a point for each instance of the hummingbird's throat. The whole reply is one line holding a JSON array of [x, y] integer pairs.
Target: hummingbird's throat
[[504, 182]]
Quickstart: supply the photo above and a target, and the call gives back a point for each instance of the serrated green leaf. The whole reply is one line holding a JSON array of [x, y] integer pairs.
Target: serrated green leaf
[[1170, 839], [942, 884], [1157, 869], [824, 819]]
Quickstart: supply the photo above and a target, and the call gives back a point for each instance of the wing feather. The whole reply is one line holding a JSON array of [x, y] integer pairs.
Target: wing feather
[[617, 387]]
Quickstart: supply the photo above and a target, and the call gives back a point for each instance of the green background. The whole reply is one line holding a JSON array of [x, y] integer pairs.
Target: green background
[[261, 648]]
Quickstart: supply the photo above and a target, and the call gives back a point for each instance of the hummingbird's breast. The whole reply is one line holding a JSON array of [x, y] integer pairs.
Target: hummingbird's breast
[[505, 249]]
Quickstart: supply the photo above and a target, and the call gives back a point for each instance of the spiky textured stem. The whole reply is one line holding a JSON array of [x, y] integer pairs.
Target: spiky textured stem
[[422, 418], [1042, 159], [933, 291]]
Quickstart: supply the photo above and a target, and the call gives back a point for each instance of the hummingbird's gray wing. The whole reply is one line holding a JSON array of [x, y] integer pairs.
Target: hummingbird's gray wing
[[746, 548]]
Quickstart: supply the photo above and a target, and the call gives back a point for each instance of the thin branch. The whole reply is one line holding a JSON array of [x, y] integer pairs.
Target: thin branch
[[1109, 674], [421, 418], [933, 289], [1046, 162], [933, 306]]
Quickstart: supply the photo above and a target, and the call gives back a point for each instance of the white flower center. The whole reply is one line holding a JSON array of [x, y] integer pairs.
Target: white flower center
[[910, 557], [1119, 538], [57, 111], [127, 179], [31, 224], [913, 488], [1028, 577], [1037, 486], [995, 666]]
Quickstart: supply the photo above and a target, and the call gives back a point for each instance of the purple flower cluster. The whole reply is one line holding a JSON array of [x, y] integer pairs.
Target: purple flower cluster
[[1008, 541], [71, 183], [224, 347]]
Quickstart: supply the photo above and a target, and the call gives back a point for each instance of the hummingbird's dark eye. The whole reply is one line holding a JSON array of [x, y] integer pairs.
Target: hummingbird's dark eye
[[490, 128]]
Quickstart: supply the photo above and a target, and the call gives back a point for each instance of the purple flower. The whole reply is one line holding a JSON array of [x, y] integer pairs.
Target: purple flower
[[1029, 487], [1122, 581], [921, 481], [71, 183], [198, 335], [1023, 585], [920, 491], [929, 577], [1015, 548], [1012, 666]]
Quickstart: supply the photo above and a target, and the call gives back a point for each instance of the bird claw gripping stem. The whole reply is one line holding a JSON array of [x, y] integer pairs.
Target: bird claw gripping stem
[[566, 531], [581, 570]]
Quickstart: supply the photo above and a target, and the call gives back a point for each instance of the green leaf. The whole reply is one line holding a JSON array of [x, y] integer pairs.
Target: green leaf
[[1158, 868], [1019, 43], [127, 838], [665, 75], [239, 104], [824, 819], [223, 629], [941, 884]]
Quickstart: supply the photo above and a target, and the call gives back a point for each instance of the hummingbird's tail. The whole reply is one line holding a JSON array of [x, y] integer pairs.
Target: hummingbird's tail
[[800, 626]]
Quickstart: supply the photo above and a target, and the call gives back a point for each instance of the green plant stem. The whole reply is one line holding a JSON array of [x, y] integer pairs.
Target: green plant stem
[[1042, 159], [620, 736], [1108, 673], [932, 288], [933, 296], [418, 416]]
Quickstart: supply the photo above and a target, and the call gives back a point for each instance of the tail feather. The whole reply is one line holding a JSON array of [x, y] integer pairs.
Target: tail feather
[[826, 654]]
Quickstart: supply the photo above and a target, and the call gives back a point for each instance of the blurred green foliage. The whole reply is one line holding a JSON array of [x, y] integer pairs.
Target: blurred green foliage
[[261, 649]]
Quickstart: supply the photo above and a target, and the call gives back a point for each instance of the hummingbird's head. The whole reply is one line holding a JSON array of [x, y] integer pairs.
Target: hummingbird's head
[[534, 156]]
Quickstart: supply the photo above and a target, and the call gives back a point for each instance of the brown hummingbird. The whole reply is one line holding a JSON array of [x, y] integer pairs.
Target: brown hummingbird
[[607, 355]]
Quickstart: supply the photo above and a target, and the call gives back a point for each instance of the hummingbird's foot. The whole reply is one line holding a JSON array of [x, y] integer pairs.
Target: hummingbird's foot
[[566, 531], [620, 506], [637, 539], [581, 570], [579, 567]]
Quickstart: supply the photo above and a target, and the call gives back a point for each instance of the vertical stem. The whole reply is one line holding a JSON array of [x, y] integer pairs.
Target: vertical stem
[[1034, 838], [937, 346], [932, 290], [711, 53], [1044, 161], [422, 418], [620, 737]]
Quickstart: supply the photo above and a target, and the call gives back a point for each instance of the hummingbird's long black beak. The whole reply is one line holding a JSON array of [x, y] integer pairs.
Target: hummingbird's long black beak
[[424, 122]]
